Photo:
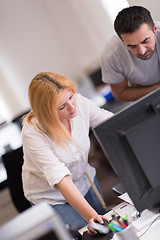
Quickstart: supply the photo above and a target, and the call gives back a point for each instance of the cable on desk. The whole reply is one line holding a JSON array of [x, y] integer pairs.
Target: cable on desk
[[150, 225]]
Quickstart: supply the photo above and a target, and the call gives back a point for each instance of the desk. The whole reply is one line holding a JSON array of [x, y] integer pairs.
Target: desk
[[153, 233]]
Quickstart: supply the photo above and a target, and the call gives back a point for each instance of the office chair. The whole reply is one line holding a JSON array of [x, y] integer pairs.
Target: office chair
[[13, 161], [18, 119]]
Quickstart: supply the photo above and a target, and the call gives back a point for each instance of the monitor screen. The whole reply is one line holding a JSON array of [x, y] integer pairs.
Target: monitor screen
[[131, 141]]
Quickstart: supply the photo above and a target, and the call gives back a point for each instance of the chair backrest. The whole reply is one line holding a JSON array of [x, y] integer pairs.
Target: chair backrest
[[13, 161]]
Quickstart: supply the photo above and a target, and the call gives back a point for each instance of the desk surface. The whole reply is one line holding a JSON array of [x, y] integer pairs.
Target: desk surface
[[153, 232], [150, 233]]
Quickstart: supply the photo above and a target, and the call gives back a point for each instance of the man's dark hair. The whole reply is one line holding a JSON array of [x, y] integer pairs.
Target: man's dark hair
[[131, 18]]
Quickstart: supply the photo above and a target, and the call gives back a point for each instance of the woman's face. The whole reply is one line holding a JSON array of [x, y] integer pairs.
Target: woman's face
[[67, 105]]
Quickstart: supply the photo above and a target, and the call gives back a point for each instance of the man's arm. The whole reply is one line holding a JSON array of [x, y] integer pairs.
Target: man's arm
[[123, 92]]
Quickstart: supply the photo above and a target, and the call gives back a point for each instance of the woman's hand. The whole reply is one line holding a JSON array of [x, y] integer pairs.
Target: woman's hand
[[75, 198], [98, 219]]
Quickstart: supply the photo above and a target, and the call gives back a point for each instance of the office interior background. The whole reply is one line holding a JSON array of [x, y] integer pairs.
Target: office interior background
[[50, 35]]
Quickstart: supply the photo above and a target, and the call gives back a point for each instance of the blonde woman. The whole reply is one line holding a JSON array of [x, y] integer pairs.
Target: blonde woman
[[56, 146]]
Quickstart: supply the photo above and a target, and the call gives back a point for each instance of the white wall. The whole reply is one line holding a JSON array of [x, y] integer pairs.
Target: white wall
[[153, 6], [47, 35], [64, 36]]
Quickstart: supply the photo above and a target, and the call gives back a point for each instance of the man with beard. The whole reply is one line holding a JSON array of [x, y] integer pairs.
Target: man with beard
[[130, 62]]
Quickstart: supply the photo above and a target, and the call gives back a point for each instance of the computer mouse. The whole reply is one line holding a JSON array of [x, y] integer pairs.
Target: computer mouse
[[105, 222], [100, 228]]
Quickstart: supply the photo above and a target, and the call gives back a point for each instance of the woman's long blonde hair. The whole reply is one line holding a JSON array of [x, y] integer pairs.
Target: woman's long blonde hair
[[44, 93]]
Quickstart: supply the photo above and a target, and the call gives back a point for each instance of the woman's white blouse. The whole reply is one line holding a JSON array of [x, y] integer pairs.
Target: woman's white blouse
[[45, 163]]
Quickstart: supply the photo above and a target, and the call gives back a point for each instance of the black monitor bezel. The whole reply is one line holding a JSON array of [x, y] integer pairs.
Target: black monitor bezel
[[109, 137]]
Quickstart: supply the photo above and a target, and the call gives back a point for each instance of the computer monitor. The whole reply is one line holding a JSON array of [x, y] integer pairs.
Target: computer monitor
[[39, 222], [131, 141], [96, 77]]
